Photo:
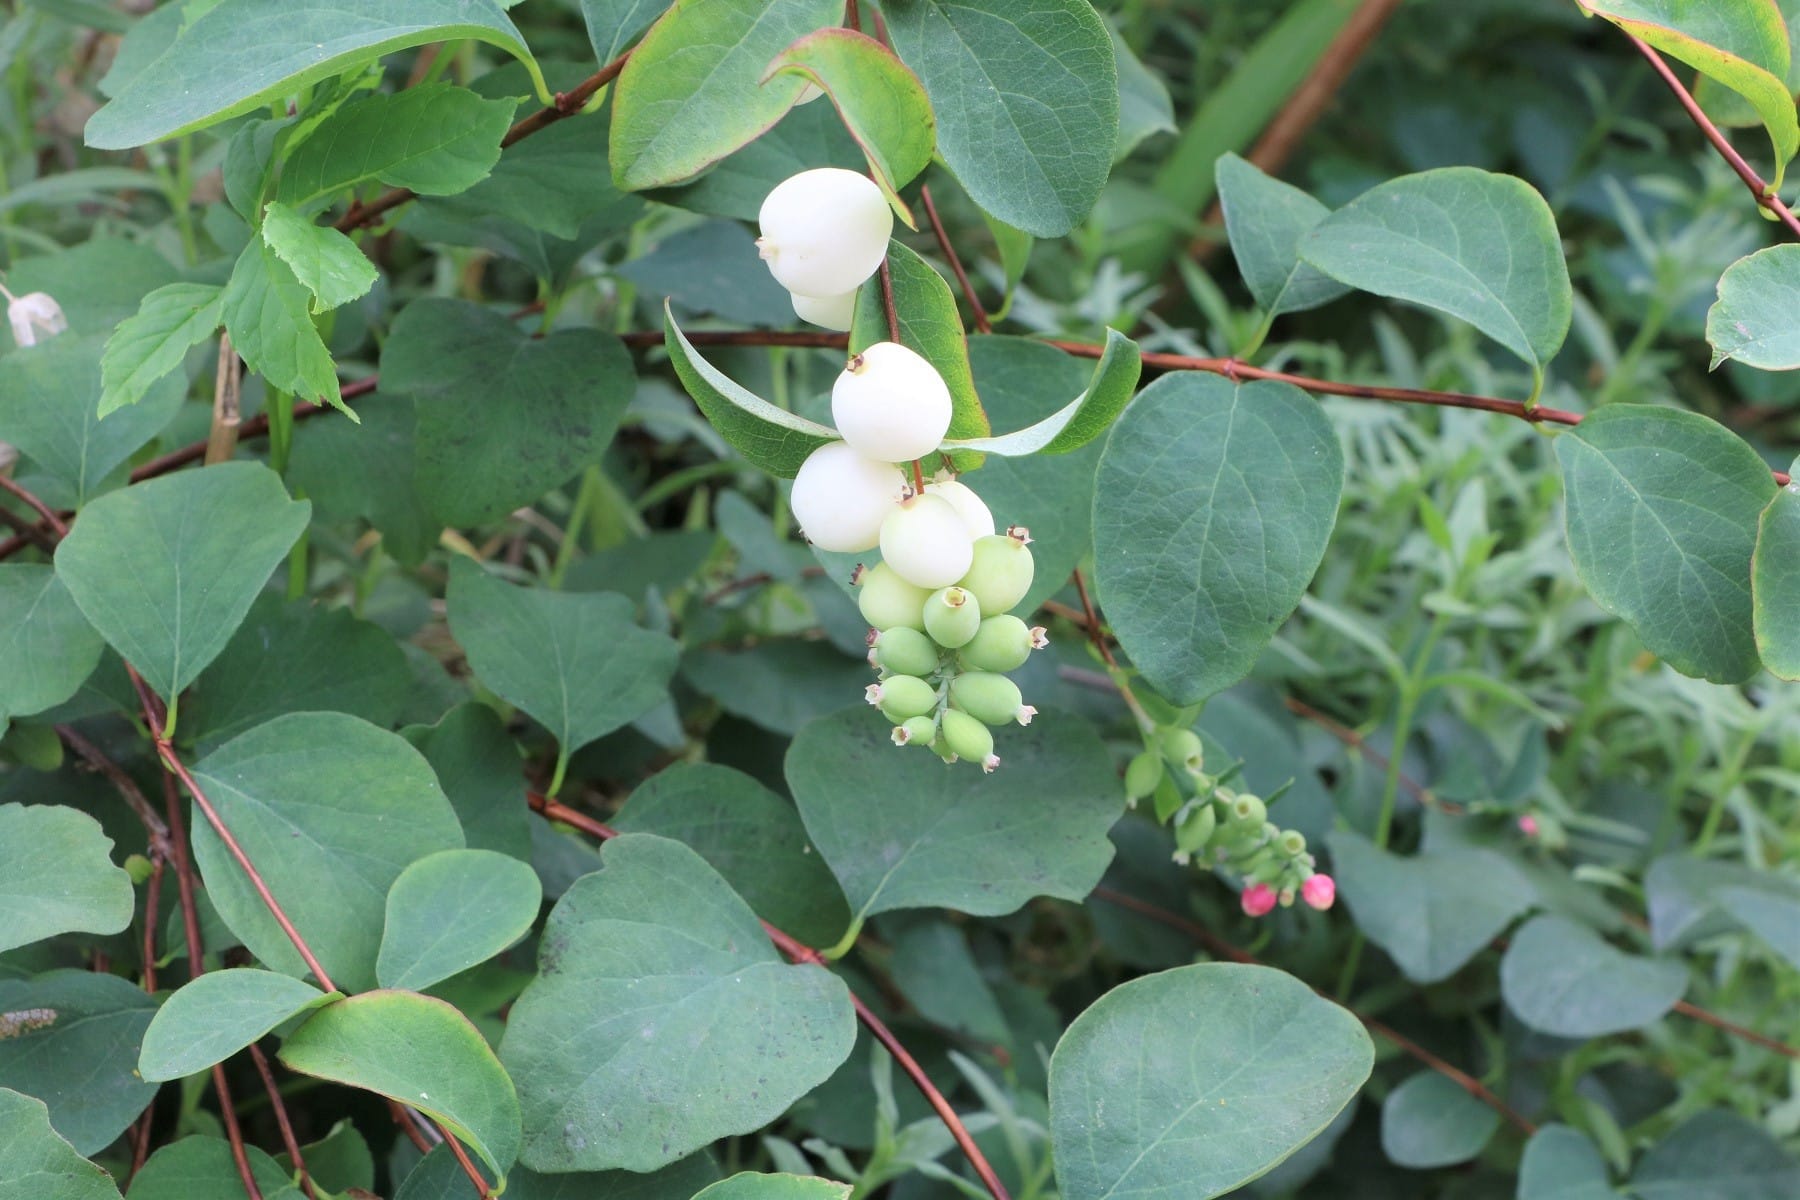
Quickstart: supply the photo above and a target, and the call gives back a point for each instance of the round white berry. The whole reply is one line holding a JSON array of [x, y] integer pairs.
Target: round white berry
[[841, 498], [891, 404], [830, 312], [970, 507], [824, 231], [926, 543]]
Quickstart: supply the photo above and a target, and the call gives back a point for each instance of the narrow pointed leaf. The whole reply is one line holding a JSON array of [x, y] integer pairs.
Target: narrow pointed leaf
[[1080, 421]]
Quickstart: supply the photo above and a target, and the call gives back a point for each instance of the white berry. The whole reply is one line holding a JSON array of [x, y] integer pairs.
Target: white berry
[[970, 507], [824, 231], [841, 499], [926, 542], [831, 312], [891, 404]]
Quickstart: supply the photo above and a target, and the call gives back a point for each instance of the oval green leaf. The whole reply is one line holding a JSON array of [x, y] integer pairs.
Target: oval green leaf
[[1266, 220], [1560, 1163], [451, 910], [1561, 978], [1430, 1121], [1716, 1155], [1082, 419], [203, 1168], [747, 1185], [213, 1017], [73, 1043], [1756, 319], [38, 1162], [57, 876]]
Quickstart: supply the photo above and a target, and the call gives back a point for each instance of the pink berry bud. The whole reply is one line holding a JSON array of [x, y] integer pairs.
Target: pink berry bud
[[1528, 825], [1319, 891], [1258, 899]]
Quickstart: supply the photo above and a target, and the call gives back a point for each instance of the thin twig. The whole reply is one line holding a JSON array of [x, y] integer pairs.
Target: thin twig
[[279, 1106], [123, 783], [1360, 744], [228, 1114], [57, 527], [956, 266], [403, 1118], [1097, 635], [462, 1158], [887, 301], [1697, 1013], [227, 415]]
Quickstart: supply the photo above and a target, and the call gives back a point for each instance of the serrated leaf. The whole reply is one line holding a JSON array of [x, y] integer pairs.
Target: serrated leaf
[[1081, 420], [240, 54], [1716, 1155], [422, 1052], [215, 1015], [1027, 100], [913, 834], [1561, 978], [453, 909], [1560, 1163], [166, 570], [1192, 1082], [651, 960], [47, 648], [1266, 220], [38, 1162], [1755, 321], [883, 104], [1430, 1121], [768, 437], [1478, 246], [1662, 518], [154, 342], [268, 312], [1213, 507], [74, 1047], [313, 799], [691, 92], [930, 325], [57, 876], [327, 263]]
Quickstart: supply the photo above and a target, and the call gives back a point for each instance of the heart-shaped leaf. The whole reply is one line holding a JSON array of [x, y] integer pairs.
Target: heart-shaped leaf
[[57, 876], [1755, 320], [38, 1162], [1082, 419], [1562, 979], [453, 909], [214, 1016], [1430, 1121]]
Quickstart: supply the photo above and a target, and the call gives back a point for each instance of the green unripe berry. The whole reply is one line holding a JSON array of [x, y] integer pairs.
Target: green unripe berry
[[888, 601], [903, 650], [1182, 746], [1000, 572], [900, 697], [1142, 775], [139, 868], [919, 730], [1003, 643], [952, 616], [1293, 843], [1248, 813], [968, 738], [989, 698], [1195, 831]]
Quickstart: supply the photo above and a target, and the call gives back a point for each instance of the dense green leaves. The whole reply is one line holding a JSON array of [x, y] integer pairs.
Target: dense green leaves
[[478, 766], [1266, 220], [38, 1162], [1756, 319], [439, 1177], [1081, 420], [1027, 101], [46, 646], [692, 91], [453, 909], [1775, 581], [239, 54], [1478, 246], [1192, 1082], [1560, 1163], [502, 417], [313, 799], [152, 343], [202, 1168], [268, 313], [929, 324], [420, 1051], [1212, 510], [166, 570], [900, 831], [212, 1017], [327, 263], [57, 875], [1716, 1155], [1430, 1121], [1561, 978], [1662, 516], [650, 961], [73, 1044]]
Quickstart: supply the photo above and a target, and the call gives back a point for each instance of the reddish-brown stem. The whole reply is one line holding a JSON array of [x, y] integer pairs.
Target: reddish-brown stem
[[1697, 1013], [462, 1159], [43, 510], [887, 301], [27, 531], [1360, 744], [140, 1142], [955, 260], [184, 878], [402, 1118], [124, 784], [152, 906], [1759, 187], [852, 16], [801, 953], [1091, 619], [228, 1114], [279, 1107], [918, 478]]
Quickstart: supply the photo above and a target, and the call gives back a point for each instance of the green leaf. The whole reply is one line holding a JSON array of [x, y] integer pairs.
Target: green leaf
[[929, 324], [750, 836], [654, 960], [1431, 912], [779, 685], [50, 409], [1081, 420], [439, 1177], [76, 1049], [202, 1168], [911, 834], [811, 135], [37, 1162], [451, 910], [935, 971], [241, 54], [313, 799], [298, 657], [1266, 220], [214, 1016], [768, 437], [365, 470], [1561, 978], [579, 664], [711, 268], [478, 766], [153, 343], [339, 1161], [478, 460], [1478, 246], [1754, 319], [437, 139], [747, 1185], [422, 1052], [1772, 913], [1212, 510], [47, 648], [1716, 1155], [1144, 105], [1430, 1121], [1150, 1095], [1560, 1163], [1727, 107], [268, 312], [327, 263], [612, 24], [883, 104], [1027, 101], [57, 876], [1744, 46], [166, 570], [98, 283], [692, 91], [1662, 516]]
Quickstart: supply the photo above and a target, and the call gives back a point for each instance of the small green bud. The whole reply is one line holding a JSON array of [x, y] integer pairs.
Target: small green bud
[[1000, 572], [138, 867], [902, 696], [989, 698], [968, 738], [1003, 643], [952, 617], [1293, 843], [1183, 748], [1247, 812], [1142, 775], [903, 650], [1195, 831], [919, 730], [888, 601]]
